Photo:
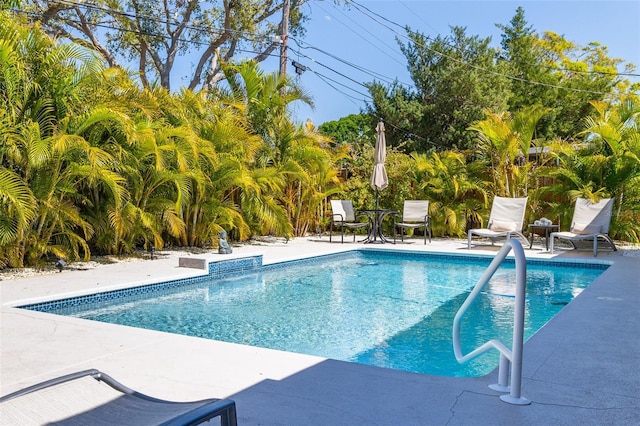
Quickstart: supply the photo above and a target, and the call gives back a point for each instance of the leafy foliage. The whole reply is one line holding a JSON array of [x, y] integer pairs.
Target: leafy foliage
[[154, 36], [504, 143], [456, 78], [93, 162], [557, 74]]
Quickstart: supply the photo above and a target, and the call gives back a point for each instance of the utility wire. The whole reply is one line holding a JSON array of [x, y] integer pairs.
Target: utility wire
[[253, 36], [373, 74], [418, 15], [368, 12], [364, 95], [342, 75], [366, 30], [364, 70], [412, 135], [326, 80]]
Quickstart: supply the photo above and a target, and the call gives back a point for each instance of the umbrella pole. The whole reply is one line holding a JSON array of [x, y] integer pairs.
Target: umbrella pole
[[376, 222]]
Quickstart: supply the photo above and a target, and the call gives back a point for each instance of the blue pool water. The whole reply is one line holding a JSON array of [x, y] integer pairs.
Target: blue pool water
[[371, 307]]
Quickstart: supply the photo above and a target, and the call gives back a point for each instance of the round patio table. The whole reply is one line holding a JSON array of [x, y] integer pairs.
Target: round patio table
[[375, 234]]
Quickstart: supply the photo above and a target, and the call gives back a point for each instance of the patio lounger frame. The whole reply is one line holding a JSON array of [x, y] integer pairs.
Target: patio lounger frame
[[64, 400]]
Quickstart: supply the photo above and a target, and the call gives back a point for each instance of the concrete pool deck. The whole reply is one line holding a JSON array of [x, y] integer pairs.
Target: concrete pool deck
[[583, 367]]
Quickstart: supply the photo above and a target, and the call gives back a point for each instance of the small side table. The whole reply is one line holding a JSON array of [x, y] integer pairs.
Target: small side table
[[545, 230]]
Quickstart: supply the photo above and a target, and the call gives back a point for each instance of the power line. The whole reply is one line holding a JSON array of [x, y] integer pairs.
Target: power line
[[369, 12], [373, 74], [624, 74], [324, 79], [364, 95], [253, 36], [366, 30], [418, 15], [364, 70], [411, 135]]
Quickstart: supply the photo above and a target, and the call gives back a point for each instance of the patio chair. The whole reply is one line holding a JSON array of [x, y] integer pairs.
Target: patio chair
[[93, 398], [506, 219], [344, 216], [590, 221], [415, 214]]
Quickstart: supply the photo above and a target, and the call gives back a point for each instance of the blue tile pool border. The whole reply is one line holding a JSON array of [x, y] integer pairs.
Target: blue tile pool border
[[598, 264], [224, 268], [235, 267], [217, 270]]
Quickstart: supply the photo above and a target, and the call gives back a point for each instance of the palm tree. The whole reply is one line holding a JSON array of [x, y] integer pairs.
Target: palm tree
[[504, 145], [606, 164], [225, 150], [299, 156], [41, 84], [457, 199], [310, 171], [16, 213]]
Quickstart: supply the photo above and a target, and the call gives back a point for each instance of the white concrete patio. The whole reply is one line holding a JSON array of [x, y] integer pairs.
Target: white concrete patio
[[582, 368]]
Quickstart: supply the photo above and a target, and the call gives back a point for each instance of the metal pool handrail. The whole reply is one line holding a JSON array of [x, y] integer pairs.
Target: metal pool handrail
[[507, 356]]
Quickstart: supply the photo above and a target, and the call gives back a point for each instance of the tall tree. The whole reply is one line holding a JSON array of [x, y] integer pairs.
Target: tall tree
[[156, 35], [349, 129], [549, 70], [456, 77], [523, 59]]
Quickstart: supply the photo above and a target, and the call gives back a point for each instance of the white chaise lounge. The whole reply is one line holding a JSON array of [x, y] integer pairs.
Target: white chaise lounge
[[590, 221], [506, 219]]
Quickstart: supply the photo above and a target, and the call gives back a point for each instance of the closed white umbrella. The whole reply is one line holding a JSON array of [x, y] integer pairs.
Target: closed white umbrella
[[379, 179]]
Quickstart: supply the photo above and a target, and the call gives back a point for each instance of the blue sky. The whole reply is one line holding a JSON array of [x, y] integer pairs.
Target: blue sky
[[367, 43]]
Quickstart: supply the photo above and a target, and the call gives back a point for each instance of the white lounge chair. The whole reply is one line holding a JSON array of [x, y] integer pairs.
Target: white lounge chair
[[93, 398], [344, 216], [415, 214], [590, 221], [506, 219]]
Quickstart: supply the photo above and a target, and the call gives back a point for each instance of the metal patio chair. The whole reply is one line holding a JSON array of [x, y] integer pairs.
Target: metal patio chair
[[344, 216], [415, 214]]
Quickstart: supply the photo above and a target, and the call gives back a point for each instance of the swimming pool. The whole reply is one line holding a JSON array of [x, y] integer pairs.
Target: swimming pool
[[373, 307]]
